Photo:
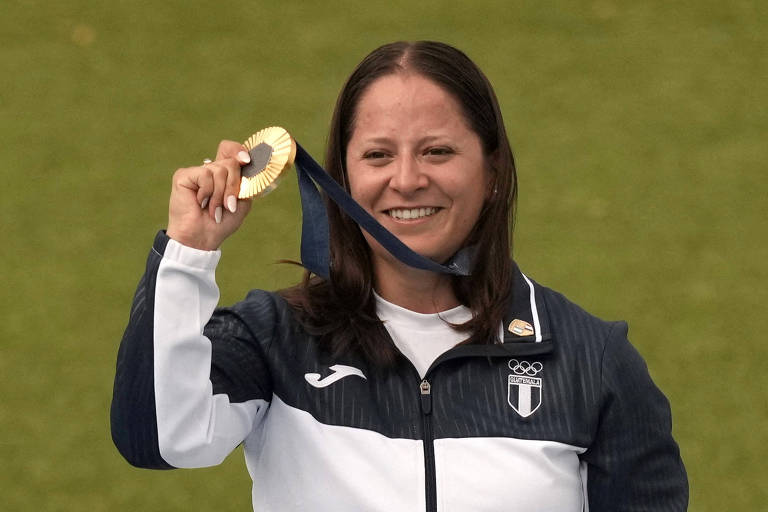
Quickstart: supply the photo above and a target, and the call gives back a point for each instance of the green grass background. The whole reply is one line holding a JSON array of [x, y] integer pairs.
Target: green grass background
[[640, 135]]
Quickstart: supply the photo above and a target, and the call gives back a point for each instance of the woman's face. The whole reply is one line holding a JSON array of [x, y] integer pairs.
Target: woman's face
[[415, 165]]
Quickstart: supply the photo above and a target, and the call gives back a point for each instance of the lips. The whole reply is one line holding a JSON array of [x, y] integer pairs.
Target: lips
[[412, 213]]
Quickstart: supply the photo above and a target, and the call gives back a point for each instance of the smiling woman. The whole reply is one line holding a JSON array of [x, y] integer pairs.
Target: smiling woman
[[415, 122], [415, 165], [386, 387]]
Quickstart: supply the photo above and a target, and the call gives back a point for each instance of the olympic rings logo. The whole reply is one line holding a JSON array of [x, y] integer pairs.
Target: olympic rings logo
[[525, 368]]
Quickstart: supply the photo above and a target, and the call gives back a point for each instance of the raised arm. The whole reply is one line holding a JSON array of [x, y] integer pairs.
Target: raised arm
[[181, 399]]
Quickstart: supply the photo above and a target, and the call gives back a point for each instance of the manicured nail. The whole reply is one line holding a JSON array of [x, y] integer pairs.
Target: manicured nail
[[217, 214], [244, 157], [205, 203], [232, 204]]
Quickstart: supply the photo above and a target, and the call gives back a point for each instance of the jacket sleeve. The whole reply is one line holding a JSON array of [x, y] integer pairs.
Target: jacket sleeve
[[634, 463], [191, 382]]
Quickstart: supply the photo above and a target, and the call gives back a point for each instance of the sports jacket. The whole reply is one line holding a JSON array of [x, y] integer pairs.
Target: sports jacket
[[563, 419]]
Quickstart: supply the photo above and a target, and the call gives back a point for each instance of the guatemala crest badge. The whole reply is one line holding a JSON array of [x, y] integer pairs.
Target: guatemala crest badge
[[524, 387]]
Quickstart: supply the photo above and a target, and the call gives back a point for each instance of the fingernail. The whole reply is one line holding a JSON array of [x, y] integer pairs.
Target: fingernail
[[244, 157], [217, 214], [204, 203], [232, 204]]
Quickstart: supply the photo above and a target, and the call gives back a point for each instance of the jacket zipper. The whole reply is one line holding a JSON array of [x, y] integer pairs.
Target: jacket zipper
[[425, 395], [430, 476]]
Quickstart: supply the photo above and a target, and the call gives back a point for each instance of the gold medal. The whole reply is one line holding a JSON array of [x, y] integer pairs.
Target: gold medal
[[272, 152]]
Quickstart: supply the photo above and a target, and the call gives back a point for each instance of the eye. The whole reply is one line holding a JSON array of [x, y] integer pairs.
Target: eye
[[375, 155], [439, 153]]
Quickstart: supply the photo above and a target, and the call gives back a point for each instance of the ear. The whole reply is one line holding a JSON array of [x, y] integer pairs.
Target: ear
[[491, 185]]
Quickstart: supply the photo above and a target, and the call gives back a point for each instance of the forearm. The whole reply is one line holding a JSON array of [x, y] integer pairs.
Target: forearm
[[164, 412]]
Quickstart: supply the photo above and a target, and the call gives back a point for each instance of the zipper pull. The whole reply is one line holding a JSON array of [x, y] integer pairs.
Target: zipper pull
[[426, 396]]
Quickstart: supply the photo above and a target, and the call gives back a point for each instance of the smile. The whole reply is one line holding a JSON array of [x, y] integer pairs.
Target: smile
[[412, 213]]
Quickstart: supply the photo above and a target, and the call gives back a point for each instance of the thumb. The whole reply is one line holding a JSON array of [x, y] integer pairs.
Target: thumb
[[232, 149]]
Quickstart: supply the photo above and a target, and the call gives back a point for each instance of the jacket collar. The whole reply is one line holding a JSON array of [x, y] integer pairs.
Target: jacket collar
[[526, 304]]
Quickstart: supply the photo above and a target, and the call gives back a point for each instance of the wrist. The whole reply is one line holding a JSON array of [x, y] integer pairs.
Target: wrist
[[200, 243]]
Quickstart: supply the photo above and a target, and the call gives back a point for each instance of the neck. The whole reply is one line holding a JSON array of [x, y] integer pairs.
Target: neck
[[421, 291]]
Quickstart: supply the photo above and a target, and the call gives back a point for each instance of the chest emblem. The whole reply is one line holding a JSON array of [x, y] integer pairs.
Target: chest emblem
[[523, 387], [339, 372]]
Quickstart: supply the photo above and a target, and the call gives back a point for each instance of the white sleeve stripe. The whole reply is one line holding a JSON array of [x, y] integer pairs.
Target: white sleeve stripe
[[195, 428], [534, 309]]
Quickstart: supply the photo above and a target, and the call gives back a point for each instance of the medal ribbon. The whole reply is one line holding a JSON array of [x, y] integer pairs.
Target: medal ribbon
[[315, 245]]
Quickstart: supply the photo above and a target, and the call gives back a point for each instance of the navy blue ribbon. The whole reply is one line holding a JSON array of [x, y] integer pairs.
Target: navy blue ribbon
[[315, 245]]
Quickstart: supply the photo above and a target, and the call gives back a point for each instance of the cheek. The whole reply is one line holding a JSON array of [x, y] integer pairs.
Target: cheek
[[353, 181], [356, 188], [365, 186], [472, 194]]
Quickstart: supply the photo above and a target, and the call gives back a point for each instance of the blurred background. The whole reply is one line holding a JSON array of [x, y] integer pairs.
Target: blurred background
[[640, 135]]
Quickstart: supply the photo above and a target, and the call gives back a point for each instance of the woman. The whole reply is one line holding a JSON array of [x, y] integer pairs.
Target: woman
[[385, 387]]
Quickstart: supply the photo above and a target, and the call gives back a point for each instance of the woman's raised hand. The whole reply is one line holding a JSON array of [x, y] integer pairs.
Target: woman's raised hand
[[204, 209]]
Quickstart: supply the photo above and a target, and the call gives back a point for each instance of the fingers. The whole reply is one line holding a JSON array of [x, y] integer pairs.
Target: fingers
[[203, 208], [219, 184], [205, 186]]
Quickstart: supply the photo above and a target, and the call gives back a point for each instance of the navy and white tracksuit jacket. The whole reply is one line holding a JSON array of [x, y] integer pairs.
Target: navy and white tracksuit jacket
[[565, 419]]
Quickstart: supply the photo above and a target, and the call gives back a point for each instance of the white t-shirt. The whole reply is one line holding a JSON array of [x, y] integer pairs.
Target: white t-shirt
[[421, 337]]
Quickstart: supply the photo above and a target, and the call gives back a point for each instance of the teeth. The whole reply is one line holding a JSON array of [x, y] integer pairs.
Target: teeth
[[412, 213]]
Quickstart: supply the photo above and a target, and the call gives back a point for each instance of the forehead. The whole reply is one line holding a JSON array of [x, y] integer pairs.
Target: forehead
[[409, 99]]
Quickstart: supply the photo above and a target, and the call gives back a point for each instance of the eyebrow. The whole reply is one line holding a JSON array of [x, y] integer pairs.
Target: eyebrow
[[377, 140], [389, 140]]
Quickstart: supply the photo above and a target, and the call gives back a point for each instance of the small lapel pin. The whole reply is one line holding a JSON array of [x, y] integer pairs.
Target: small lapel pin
[[520, 327]]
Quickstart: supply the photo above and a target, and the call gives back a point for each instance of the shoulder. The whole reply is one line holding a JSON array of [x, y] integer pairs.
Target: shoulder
[[261, 312], [573, 326], [596, 357], [594, 346], [262, 302]]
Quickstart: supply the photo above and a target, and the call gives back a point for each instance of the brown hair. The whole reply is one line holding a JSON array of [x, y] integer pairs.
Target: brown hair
[[342, 310]]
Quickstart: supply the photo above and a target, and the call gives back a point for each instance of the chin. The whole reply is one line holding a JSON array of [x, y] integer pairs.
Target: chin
[[430, 252], [417, 245]]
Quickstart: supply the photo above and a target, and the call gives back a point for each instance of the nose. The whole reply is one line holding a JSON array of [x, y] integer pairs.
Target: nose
[[408, 176]]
